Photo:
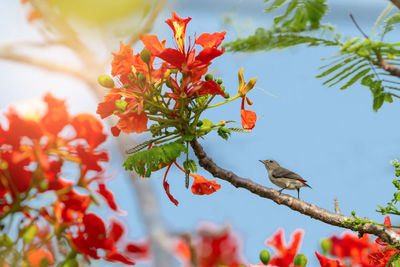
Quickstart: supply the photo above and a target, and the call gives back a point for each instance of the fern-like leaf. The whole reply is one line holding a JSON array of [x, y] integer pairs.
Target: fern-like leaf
[[144, 162], [299, 14], [388, 25]]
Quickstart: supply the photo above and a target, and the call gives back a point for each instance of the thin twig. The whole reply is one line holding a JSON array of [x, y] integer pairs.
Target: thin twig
[[358, 26], [295, 204], [337, 210]]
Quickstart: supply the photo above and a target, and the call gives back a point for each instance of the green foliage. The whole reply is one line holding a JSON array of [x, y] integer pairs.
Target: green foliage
[[280, 38], [224, 132], [299, 14], [389, 23], [144, 162], [190, 166], [358, 59], [391, 207]]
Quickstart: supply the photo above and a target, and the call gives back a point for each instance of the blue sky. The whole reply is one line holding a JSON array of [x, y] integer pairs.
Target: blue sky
[[330, 137]]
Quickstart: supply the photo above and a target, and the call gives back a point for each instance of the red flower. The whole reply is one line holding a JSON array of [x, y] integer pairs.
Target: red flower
[[56, 117], [326, 262], [202, 186], [15, 178], [249, 117], [93, 236], [109, 197], [122, 63], [90, 129], [285, 254], [213, 247]]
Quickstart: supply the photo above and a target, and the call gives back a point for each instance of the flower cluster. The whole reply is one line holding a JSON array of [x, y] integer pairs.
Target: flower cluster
[[209, 247], [349, 250], [52, 207], [164, 91]]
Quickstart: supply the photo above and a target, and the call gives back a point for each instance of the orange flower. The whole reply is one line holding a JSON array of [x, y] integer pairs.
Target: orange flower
[[178, 25], [122, 63], [202, 186], [133, 123], [35, 257], [248, 117]]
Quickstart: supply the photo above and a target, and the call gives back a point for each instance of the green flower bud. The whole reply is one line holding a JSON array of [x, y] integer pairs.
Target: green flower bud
[[265, 256], [326, 245], [353, 213], [209, 77], [300, 260], [226, 95], [106, 81], [219, 81], [145, 56], [120, 104]]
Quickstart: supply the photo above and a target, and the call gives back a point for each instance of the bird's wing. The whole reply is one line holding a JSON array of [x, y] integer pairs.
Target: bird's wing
[[285, 173]]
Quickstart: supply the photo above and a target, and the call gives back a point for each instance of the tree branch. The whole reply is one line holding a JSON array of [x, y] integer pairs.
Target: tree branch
[[45, 65], [396, 3], [295, 204], [149, 23], [392, 69]]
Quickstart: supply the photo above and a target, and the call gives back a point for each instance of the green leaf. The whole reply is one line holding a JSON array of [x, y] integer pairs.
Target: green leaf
[[390, 22], [275, 5], [355, 78], [187, 138], [378, 102], [239, 130], [224, 132], [388, 98], [138, 147], [336, 67], [145, 162], [190, 165], [29, 233]]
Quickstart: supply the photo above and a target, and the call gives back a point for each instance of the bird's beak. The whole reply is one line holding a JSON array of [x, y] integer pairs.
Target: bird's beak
[[262, 161]]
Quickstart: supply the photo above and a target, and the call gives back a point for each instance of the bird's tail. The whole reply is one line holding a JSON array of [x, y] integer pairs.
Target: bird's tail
[[305, 184]]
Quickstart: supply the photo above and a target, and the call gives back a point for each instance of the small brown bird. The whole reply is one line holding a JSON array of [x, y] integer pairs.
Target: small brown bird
[[284, 178]]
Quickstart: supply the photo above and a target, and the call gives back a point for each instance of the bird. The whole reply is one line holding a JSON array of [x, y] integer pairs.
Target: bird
[[284, 178]]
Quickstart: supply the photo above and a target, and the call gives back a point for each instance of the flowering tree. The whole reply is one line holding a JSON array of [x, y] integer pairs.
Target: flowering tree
[[164, 91]]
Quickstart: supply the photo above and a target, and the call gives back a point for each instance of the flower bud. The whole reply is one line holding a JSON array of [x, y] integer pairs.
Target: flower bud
[[208, 77], [120, 104], [226, 95], [265, 256], [300, 260], [105, 81], [145, 56], [326, 245], [219, 81]]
